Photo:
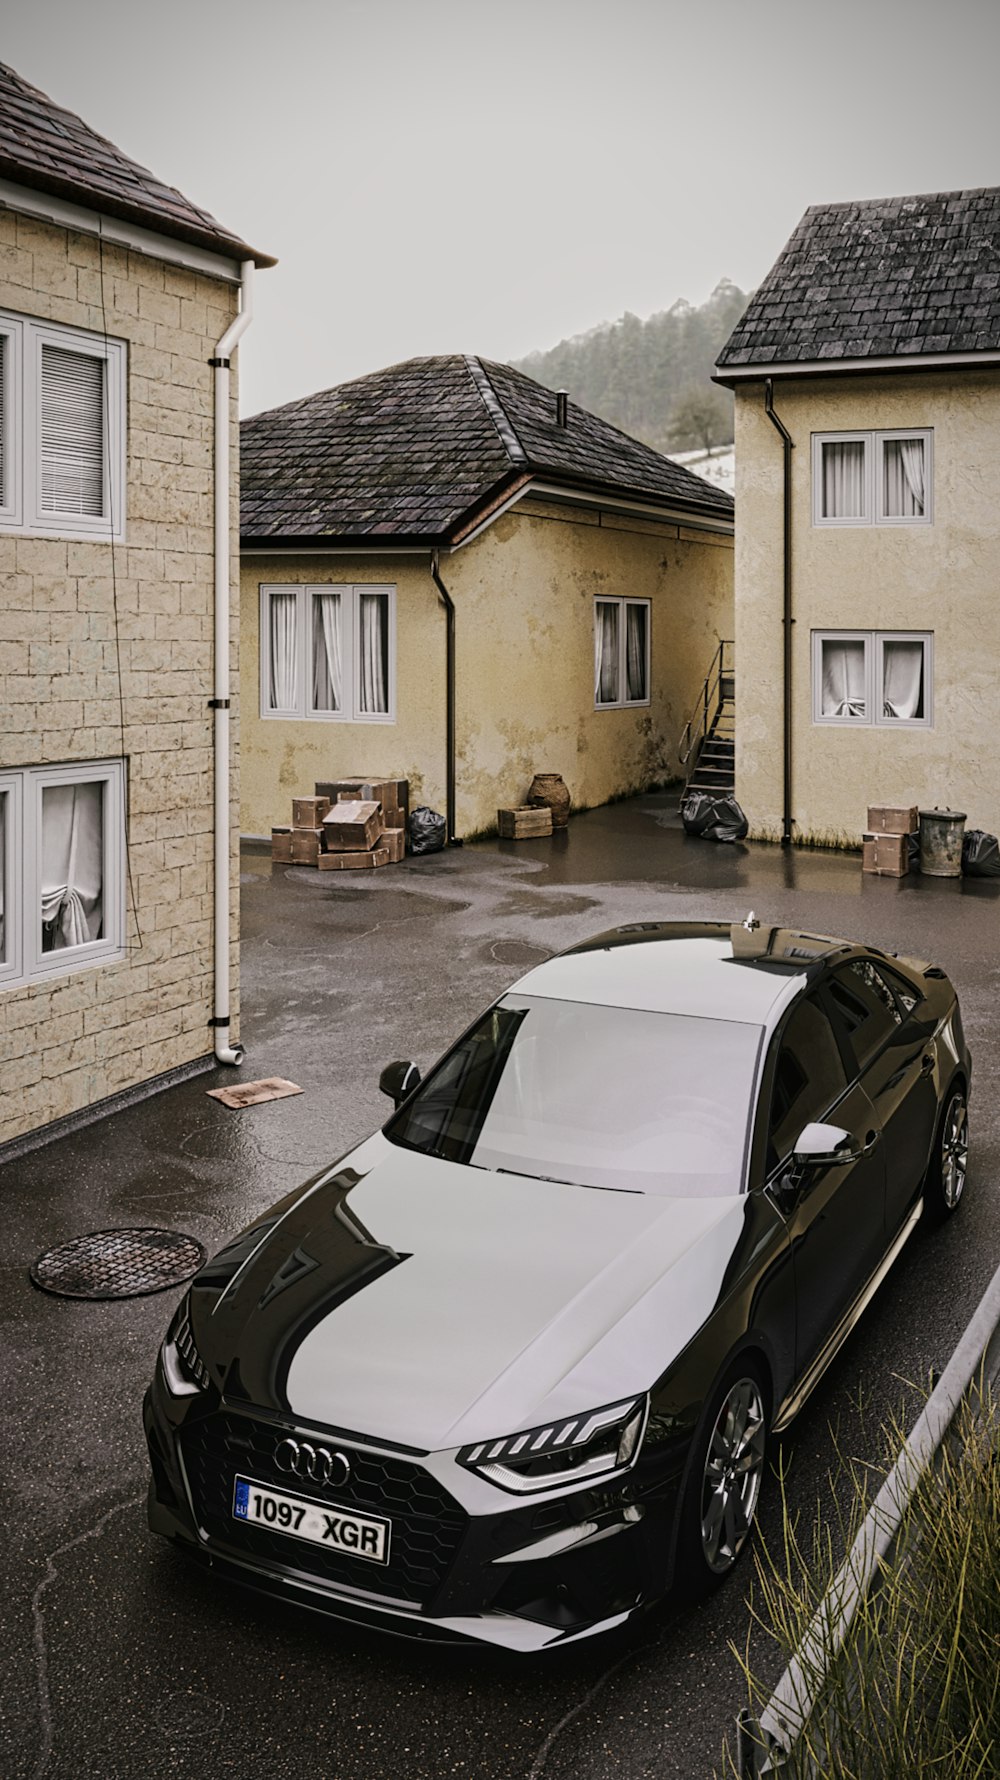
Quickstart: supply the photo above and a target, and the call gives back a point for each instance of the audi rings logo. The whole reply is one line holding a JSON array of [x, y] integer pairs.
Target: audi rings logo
[[312, 1463]]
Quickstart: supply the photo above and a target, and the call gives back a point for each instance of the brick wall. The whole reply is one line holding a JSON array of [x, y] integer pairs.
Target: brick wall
[[70, 1041]]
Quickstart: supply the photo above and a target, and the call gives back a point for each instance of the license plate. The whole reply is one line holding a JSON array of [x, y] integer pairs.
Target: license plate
[[320, 1523]]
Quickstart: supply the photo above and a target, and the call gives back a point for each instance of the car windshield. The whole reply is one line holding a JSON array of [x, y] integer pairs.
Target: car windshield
[[594, 1096]]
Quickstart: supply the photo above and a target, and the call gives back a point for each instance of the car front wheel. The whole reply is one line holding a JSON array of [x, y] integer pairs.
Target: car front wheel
[[724, 1479]]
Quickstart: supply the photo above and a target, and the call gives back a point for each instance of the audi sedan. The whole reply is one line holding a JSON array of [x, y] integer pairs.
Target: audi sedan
[[510, 1368]]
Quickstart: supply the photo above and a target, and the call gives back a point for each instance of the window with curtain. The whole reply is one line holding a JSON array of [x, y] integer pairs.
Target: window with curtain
[[878, 478], [63, 395], [873, 677], [62, 869], [621, 652], [328, 653]]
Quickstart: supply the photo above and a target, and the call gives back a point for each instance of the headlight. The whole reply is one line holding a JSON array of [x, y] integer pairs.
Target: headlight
[[587, 1445], [183, 1365]]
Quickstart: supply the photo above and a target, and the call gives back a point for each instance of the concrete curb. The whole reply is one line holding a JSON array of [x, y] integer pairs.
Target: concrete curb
[[764, 1747]]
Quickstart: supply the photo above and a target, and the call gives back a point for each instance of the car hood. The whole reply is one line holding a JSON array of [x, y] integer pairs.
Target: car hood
[[429, 1303]]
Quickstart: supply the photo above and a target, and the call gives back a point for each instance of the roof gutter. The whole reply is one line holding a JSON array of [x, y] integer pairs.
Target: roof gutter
[[730, 375], [787, 820], [219, 704], [449, 621]]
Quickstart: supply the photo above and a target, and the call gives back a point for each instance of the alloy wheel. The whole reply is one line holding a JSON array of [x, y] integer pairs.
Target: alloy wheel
[[954, 1151], [734, 1465]]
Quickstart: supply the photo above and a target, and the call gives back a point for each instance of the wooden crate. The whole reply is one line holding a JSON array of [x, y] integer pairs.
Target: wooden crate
[[308, 812], [886, 818], [354, 861], [281, 846], [307, 845], [352, 826], [524, 823], [395, 840], [887, 855]]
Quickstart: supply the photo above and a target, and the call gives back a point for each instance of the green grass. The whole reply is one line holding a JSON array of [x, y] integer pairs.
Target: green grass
[[915, 1692]]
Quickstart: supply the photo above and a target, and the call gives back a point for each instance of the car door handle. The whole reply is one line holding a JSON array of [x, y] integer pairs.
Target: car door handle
[[927, 1063], [872, 1141]]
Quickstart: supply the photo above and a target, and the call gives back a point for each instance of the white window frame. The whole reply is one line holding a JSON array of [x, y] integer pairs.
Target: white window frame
[[874, 444], [20, 498], [874, 643], [26, 962], [622, 602], [301, 711]]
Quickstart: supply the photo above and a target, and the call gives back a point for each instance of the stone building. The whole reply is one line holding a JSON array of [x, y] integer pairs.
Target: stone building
[[114, 294], [866, 371], [452, 575]]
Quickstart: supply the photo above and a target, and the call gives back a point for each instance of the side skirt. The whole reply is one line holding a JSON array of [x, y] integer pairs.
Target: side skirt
[[810, 1379]]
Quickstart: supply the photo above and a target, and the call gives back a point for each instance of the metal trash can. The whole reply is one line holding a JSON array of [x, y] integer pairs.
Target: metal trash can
[[941, 842]]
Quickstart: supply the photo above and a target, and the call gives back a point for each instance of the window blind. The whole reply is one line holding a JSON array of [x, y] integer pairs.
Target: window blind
[[72, 432], [3, 418]]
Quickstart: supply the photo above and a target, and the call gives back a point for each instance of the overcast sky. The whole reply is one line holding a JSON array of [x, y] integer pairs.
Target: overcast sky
[[489, 177]]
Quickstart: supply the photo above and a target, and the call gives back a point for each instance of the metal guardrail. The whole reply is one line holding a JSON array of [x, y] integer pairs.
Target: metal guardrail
[[709, 701], [765, 1746]]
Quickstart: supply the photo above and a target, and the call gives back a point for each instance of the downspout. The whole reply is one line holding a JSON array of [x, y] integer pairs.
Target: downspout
[[787, 620], [449, 620], [219, 704]]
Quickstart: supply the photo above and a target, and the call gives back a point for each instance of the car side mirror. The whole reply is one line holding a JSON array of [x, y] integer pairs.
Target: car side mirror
[[399, 1080], [825, 1146]]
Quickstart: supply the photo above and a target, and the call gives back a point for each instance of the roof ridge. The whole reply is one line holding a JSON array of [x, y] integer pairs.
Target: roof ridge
[[496, 411]]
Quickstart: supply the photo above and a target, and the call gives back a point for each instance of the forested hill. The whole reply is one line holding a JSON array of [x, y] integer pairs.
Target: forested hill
[[652, 378]]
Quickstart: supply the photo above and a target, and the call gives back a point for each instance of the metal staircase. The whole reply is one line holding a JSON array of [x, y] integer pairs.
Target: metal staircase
[[707, 745]]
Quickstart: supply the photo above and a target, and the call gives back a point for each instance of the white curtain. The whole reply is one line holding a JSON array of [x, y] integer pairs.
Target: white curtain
[[374, 663], [3, 852], [635, 652], [282, 627], [843, 688], [328, 660], [902, 679], [903, 478], [606, 653], [72, 865], [843, 479]]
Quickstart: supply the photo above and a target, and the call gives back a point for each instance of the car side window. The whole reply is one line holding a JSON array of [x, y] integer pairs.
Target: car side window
[[809, 1076], [866, 1005]]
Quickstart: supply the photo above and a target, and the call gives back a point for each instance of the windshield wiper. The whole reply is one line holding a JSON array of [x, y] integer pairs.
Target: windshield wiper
[[590, 1186]]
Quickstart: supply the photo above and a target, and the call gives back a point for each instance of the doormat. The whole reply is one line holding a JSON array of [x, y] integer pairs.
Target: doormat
[[252, 1093]]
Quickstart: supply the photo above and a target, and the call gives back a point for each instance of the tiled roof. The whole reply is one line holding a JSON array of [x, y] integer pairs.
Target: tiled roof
[[887, 278], [42, 145], [416, 451]]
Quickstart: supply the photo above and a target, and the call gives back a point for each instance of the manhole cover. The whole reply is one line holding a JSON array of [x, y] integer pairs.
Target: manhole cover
[[117, 1264]]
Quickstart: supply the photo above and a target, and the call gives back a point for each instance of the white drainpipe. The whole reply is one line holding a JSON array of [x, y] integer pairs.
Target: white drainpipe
[[225, 1053]]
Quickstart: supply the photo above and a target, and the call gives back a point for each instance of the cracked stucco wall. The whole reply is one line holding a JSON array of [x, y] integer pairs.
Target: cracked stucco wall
[[75, 1039], [941, 578], [524, 594]]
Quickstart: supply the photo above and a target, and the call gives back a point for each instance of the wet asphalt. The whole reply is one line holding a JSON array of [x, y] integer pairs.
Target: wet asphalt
[[121, 1658]]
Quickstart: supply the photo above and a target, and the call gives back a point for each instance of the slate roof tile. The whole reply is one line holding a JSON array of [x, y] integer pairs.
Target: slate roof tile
[[44, 146], [418, 449], [885, 277]]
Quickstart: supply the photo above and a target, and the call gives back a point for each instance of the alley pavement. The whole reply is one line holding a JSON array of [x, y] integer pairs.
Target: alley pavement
[[119, 1656]]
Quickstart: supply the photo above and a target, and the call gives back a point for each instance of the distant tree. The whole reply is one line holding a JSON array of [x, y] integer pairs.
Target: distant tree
[[701, 416]]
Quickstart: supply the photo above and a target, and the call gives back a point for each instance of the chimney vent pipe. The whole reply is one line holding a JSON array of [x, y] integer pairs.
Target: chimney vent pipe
[[562, 414]]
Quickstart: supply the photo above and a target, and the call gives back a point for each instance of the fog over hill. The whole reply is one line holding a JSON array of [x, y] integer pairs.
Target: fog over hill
[[652, 378]]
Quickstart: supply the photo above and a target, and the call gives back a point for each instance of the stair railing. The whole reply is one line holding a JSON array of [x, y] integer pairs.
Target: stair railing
[[709, 702]]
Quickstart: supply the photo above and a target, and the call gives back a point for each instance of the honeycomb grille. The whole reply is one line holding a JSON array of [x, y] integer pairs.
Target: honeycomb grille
[[427, 1523]]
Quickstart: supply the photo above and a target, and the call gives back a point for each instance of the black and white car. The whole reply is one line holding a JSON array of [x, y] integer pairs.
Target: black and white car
[[511, 1366]]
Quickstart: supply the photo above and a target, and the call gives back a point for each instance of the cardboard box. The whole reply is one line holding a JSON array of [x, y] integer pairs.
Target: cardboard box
[[281, 846], [524, 823], [887, 855], [307, 845], [884, 818], [392, 794], [395, 840], [353, 826], [354, 861], [308, 812]]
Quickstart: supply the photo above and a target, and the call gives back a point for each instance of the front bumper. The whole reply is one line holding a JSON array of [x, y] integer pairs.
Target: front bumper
[[468, 1563]]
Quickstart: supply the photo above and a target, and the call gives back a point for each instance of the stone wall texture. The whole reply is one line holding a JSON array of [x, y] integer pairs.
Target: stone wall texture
[[524, 594], [70, 613], [940, 578]]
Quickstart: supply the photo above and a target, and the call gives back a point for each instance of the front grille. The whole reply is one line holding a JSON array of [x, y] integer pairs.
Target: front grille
[[427, 1523]]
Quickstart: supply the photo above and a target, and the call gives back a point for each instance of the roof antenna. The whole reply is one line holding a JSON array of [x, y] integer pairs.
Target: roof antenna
[[751, 923], [562, 408]]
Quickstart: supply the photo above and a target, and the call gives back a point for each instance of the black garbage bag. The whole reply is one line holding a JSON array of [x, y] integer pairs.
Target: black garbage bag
[[428, 830], [980, 854], [713, 816]]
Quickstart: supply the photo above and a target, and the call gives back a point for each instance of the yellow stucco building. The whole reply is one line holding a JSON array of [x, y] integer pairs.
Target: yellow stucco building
[[450, 521], [868, 398]]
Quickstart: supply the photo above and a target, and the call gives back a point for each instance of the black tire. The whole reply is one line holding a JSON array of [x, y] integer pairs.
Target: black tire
[[944, 1183], [723, 1480]]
